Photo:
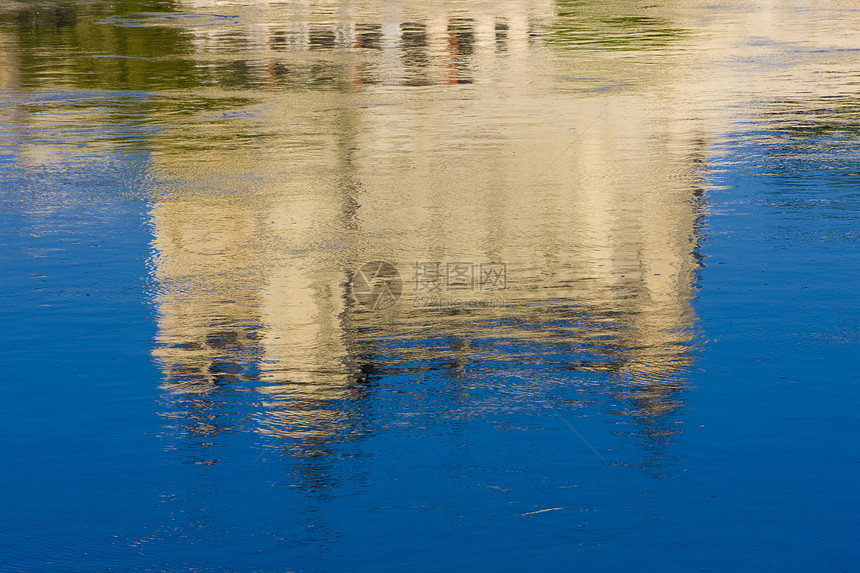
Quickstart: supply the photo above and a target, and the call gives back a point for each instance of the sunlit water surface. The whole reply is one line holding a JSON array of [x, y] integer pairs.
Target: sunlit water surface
[[616, 328]]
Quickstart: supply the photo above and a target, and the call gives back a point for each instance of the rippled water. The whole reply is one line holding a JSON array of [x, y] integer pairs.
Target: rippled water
[[386, 286]]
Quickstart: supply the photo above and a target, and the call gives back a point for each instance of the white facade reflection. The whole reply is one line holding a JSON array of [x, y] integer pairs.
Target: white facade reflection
[[432, 136]]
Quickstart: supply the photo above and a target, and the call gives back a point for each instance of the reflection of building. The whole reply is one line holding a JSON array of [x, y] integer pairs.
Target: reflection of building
[[589, 198], [301, 139]]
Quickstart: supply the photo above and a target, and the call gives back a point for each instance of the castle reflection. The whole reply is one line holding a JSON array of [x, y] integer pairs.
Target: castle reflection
[[295, 142], [421, 138]]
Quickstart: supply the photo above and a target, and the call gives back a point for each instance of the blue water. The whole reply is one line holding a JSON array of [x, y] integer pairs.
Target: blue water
[[511, 443]]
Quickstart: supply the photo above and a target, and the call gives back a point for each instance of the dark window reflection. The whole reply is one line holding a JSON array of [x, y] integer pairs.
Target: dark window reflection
[[501, 29], [413, 43], [368, 36], [321, 38]]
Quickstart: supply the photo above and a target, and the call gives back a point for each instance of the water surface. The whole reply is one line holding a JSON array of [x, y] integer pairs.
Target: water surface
[[615, 325]]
